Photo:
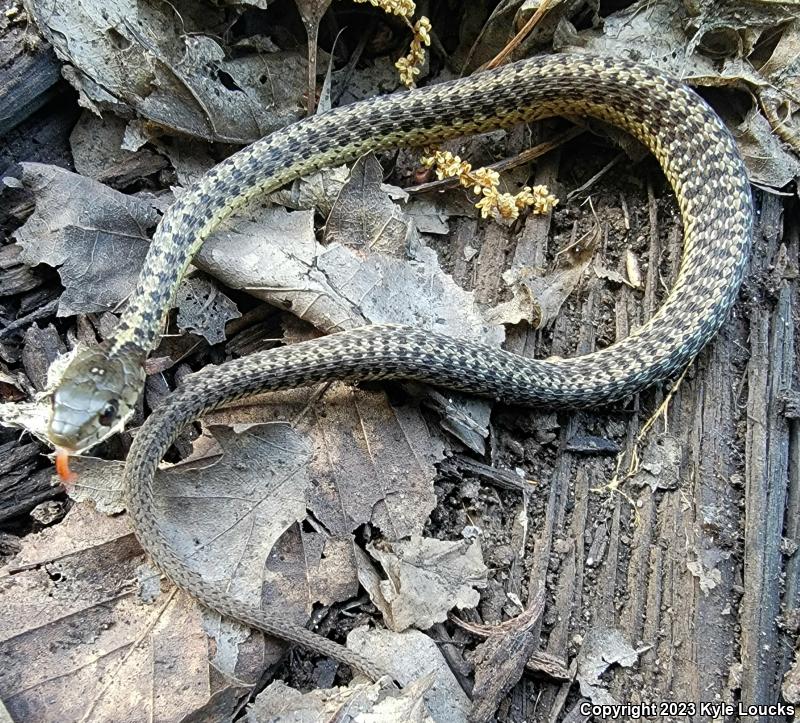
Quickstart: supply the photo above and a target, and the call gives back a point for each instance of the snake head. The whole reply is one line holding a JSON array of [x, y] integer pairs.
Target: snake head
[[95, 396]]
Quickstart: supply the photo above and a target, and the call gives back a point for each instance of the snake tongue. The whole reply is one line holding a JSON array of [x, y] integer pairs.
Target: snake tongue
[[67, 476]]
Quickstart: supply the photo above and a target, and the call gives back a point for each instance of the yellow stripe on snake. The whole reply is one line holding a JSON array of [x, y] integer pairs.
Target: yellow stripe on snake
[[100, 387]]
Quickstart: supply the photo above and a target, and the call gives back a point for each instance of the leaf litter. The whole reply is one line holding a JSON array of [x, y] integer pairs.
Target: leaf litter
[[170, 68], [74, 631], [374, 264]]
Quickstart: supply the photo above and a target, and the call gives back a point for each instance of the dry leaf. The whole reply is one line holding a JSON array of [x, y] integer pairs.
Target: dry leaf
[[369, 461], [708, 578], [170, 68], [363, 215], [411, 656], [204, 309], [233, 514], [97, 151], [357, 703], [537, 298], [274, 255], [224, 513], [769, 161], [425, 579], [602, 648], [376, 78], [97, 237], [317, 191], [94, 647]]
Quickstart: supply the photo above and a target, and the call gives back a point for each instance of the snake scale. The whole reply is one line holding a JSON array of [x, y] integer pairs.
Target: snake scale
[[100, 386]]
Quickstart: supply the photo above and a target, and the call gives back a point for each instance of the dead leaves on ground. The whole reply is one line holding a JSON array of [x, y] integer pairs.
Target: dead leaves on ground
[[269, 509], [272, 509], [96, 236], [172, 69], [76, 636], [754, 48]]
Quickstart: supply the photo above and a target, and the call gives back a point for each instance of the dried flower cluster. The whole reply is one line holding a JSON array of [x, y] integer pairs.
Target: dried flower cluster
[[408, 65], [484, 182], [403, 8]]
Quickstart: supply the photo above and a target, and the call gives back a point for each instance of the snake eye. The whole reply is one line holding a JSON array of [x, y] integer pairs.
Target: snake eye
[[109, 414]]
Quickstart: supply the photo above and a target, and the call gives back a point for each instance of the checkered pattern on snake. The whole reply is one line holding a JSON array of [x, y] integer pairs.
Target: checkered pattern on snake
[[698, 157]]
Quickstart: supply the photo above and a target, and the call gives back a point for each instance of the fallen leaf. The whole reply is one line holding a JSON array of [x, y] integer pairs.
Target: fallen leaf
[[171, 69], [317, 191], [95, 648], [363, 216], [95, 236], [370, 462], [538, 298], [602, 647], [425, 579], [411, 656], [203, 308], [274, 256], [377, 77], [769, 161], [232, 509], [97, 151], [660, 464], [708, 578], [367, 702]]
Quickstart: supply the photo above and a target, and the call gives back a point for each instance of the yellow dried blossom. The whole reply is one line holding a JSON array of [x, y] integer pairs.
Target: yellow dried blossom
[[408, 66], [403, 8], [484, 182]]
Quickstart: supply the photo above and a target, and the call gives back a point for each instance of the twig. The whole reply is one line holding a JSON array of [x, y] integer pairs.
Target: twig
[[506, 164], [526, 30]]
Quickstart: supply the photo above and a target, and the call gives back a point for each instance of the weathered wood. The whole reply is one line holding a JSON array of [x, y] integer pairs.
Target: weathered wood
[[669, 572], [41, 348], [770, 376], [29, 70], [24, 483]]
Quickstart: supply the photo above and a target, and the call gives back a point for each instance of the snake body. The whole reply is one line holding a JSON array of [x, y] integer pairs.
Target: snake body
[[695, 151]]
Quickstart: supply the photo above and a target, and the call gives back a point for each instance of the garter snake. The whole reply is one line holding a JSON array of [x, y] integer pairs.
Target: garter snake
[[698, 156]]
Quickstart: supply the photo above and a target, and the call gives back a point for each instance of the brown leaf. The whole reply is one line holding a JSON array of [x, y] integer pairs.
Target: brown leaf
[[97, 237], [411, 656], [372, 702], [424, 579], [204, 308], [97, 151], [93, 647], [370, 462], [364, 216], [602, 647], [173, 68]]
